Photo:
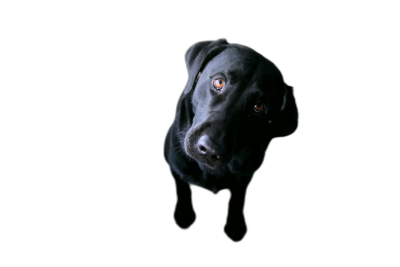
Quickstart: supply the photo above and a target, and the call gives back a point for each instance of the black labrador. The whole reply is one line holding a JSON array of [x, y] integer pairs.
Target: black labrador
[[234, 103]]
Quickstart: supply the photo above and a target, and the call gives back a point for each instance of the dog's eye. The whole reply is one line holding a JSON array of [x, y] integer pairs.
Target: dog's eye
[[259, 107], [218, 84]]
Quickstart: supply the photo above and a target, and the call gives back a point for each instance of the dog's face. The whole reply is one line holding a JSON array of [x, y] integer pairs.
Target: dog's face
[[235, 100]]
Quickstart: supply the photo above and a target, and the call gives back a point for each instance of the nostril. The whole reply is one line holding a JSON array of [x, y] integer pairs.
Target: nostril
[[214, 157], [202, 149], [208, 149]]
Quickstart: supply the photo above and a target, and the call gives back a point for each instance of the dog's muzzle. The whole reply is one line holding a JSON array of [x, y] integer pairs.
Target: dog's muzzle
[[210, 150]]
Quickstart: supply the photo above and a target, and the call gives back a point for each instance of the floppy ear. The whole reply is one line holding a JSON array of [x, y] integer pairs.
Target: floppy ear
[[198, 56], [286, 121]]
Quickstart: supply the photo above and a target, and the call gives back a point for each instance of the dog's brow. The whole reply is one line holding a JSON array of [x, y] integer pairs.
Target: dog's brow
[[261, 94], [218, 74], [257, 94], [234, 75]]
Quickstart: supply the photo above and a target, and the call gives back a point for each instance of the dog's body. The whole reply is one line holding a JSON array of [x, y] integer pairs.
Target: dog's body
[[234, 103]]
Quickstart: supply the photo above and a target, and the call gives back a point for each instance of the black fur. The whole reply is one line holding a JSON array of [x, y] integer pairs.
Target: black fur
[[218, 139]]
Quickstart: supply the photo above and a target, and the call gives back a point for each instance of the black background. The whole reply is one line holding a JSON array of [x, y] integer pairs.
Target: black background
[[125, 79]]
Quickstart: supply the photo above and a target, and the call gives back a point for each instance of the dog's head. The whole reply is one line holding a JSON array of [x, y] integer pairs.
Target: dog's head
[[239, 101]]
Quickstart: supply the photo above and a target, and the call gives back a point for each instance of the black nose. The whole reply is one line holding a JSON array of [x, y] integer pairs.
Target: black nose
[[209, 149]]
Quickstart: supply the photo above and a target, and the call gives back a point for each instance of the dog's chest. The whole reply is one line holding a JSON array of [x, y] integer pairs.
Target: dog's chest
[[213, 182]]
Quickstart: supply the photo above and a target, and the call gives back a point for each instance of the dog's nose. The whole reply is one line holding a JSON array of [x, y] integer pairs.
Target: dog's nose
[[209, 149]]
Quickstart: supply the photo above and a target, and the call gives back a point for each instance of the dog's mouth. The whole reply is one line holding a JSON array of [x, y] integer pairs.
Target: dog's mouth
[[214, 166], [211, 164]]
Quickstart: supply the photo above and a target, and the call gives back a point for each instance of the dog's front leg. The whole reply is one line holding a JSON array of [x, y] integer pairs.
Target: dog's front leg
[[235, 226], [184, 214]]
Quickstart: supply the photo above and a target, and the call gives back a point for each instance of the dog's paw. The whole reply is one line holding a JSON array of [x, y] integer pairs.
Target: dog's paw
[[184, 216], [236, 229]]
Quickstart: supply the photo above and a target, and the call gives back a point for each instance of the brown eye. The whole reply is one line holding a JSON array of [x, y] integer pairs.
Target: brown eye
[[218, 84], [259, 107]]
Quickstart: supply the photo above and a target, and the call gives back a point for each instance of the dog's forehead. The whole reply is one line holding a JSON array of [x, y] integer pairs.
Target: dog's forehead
[[239, 62]]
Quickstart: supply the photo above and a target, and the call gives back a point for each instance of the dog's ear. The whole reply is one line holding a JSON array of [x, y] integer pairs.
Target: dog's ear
[[198, 56], [286, 121]]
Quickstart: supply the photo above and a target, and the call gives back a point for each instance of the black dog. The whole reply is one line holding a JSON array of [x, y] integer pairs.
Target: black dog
[[234, 103]]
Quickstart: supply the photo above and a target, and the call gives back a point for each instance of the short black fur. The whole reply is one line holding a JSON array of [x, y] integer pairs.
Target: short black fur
[[219, 136]]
